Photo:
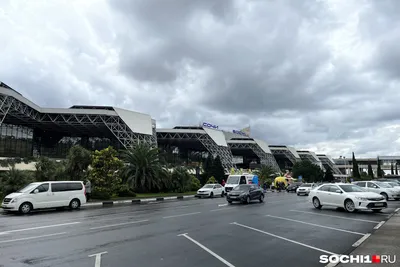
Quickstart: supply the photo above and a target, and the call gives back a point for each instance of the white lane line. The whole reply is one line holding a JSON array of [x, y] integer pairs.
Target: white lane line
[[283, 238], [334, 216], [222, 209], [97, 262], [332, 264], [362, 239], [32, 237], [397, 210], [208, 250], [117, 224], [223, 205], [379, 225], [317, 225], [39, 227], [180, 215]]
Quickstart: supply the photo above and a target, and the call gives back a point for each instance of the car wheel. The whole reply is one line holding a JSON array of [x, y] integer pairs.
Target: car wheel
[[298, 194], [248, 200], [25, 208], [349, 206], [385, 196], [74, 204], [261, 198], [211, 195], [316, 203], [379, 210]]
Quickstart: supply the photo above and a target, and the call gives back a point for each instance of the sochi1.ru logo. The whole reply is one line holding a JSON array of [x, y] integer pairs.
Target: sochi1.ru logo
[[335, 259]]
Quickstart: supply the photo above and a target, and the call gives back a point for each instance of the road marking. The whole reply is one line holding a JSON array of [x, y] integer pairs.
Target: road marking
[[28, 238], [222, 209], [39, 227], [379, 225], [97, 262], [118, 224], [317, 225], [362, 239], [223, 205], [283, 238], [397, 210], [208, 250], [332, 264], [180, 215], [334, 216]]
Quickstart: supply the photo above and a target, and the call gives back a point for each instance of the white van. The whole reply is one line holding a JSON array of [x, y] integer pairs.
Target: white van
[[42, 195], [237, 179]]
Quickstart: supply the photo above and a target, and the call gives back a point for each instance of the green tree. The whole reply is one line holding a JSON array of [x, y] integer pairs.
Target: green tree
[[370, 171], [212, 180], [181, 179], [309, 171], [356, 170], [13, 180], [194, 184], [391, 168], [143, 170], [49, 170], [380, 172], [105, 173], [218, 170], [78, 161], [207, 168], [265, 174], [328, 177]]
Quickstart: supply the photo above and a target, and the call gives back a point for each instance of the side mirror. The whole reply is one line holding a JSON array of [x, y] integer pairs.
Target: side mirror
[[338, 191], [36, 191]]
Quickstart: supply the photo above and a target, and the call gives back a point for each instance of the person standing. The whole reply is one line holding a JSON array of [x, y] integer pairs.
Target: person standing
[[223, 182], [88, 187]]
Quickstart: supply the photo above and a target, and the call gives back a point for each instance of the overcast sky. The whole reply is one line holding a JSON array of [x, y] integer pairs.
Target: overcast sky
[[319, 75]]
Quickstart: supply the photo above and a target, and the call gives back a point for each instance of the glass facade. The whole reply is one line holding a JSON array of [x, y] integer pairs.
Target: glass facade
[[19, 141]]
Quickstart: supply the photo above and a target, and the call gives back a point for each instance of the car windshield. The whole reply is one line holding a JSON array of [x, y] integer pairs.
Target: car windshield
[[351, 188], [384, 185], [233, 180], [242, 187], [208, 186], [28, 188], [305, 185]]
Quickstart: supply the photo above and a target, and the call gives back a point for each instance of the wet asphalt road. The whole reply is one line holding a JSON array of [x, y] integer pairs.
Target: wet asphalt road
[[283, 231]]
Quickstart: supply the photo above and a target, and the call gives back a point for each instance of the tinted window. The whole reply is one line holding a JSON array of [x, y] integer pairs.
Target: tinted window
[[242, 187], [43, 188], [362, 184], [351, 188], [61, 187], [371, 185], [324, 188], [333, 188]]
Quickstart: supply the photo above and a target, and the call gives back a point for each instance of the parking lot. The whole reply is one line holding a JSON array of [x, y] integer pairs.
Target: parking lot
[[283, 231]]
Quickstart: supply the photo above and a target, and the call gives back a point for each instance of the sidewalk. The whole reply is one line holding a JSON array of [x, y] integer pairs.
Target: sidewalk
[[133, 201], [384, 241]]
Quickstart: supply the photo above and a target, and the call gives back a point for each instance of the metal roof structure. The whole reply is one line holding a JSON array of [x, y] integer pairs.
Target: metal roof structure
[[289, 152], [328, 161], [126, 126], [200, 139], [256, 146], [311, 157]]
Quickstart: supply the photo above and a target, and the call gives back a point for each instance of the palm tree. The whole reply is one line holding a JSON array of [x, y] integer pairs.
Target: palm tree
[[14, 179], [143, 170], [181, 179]]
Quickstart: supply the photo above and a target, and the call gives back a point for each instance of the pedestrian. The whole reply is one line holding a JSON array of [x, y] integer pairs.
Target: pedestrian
[[88, 187], [223, 182]]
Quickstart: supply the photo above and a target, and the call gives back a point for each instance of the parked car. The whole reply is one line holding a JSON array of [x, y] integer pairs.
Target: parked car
[[304, 189], [245, 193], [211, 190], [43, 195], [348, 196], [382, 188], [293, 187]]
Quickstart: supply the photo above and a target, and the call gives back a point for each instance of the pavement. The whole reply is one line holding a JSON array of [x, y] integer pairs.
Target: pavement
[[284, 231]]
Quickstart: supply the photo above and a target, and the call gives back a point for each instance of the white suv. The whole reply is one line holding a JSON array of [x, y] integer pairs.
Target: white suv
[[42, 195], [382, 188]]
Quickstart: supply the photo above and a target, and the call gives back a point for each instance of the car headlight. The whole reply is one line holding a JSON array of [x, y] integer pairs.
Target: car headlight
[[362, 198], [14, 200]]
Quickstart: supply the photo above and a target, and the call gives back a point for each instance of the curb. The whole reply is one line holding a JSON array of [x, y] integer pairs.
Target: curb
[[134, 201]]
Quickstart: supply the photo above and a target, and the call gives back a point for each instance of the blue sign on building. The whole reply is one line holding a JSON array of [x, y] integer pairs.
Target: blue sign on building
[[209, 125], [300, 178], [239, 132]]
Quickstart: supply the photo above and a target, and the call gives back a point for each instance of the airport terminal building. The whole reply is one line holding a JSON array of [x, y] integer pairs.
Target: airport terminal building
[[28, 130]]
